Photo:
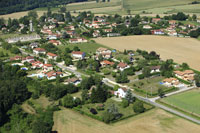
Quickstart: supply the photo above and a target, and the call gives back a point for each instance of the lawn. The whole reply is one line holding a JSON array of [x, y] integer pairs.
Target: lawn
[[187, 101], [85, 47], [126, 112], [150, 85], [6, 52]]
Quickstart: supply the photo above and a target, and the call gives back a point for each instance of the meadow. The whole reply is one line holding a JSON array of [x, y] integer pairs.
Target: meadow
[[179, 49], [187, 101], [155, 121]]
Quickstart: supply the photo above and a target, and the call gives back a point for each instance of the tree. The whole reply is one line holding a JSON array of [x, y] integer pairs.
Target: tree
[[68, 101], [84, 95], [63, 9], [32, 14], [138, 107], [68, 61], [146, 72], [49, 13], [129, 96], [99, 95], [185, 66], [67, 50], [194, 17], [76, 48], [197, 80], [125, 103], [161, 92]]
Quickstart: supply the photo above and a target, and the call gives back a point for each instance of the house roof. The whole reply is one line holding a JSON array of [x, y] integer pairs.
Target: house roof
[[186, 72], [48, 65], [170, 80], [155, 67], [101, 49], [107, 62], [122, 65], [72, 80], [124, 89], [78, 52], [51, 54], [40, 49]]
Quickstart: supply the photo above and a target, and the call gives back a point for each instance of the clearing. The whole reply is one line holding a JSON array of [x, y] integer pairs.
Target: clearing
[[188, 101], [179, 49], [155, 121]]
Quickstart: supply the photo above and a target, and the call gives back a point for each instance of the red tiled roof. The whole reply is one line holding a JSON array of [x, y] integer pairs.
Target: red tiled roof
[[77, 52], [108, 62], [48, 65], [51, 54], [122, 65], [40, 49]]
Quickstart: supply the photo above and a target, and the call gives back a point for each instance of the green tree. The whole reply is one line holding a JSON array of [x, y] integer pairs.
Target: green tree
[[138, 107], [125, 103], [32, 14], [185, 66], [63, 9], [68, 61], [161, 92], [68, 101], [129, 96], [146, 72], [84, 95], [194, 17], [197, 80]]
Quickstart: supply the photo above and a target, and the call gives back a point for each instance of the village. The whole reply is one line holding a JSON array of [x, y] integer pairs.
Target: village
[[53, 52]]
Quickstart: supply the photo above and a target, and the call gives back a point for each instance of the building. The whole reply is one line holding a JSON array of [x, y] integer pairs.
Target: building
[[29, 59], [38, 51], [113, 34], [155, 69], [78, 55], [147, 27], [36, 64], [172, 33], [55, 42], [122, 66], [52, 75], [34, 45], [74, 81], [16, 58], [107, 30], [155, 20], [187, 75], [106, 63], [121, 92], [172, 22], [77, 40], [52, 56], [157, 32], [172, 82], [106, 53], [47, 67]]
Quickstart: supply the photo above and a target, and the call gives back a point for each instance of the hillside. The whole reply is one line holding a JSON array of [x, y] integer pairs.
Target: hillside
[[10, 6]]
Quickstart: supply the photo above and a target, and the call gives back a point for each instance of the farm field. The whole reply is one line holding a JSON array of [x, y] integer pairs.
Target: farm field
[[179, 49], [187, 101], [155, 121]]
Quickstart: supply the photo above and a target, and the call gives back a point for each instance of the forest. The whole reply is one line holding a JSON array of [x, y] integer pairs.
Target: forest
[[10, 6]]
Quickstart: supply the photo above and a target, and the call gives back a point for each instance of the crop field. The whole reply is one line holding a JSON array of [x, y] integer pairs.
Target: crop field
[[179, 49], [18, 15], [188, 101], [154, 121]]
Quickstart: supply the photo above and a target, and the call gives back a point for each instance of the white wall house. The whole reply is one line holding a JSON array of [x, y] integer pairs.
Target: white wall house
[[78, 55], [39, 51], [121, 92]]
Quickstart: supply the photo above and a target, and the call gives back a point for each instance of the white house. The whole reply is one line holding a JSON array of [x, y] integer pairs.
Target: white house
[[52, 75], [187, 75], [36, 64], [52, 56], [78, 55], [121, 92], [122, 66], [106, 53], [47, 67], [77, 40], [34, 45], [147, 27], [74, 81], [155, 69], [28, 59], [39, 51], [169, 82]]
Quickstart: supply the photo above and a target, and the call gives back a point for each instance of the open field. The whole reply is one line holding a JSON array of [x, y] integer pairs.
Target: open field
[[187, 101], [179, 49], [154, 121]]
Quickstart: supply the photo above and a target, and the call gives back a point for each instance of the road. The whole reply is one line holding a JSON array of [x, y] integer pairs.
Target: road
[[148, 100]]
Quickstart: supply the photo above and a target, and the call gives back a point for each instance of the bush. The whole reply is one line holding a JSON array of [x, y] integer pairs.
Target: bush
[[125, 103], [93, 111], [138, 107], [141, 76], [106, 71]]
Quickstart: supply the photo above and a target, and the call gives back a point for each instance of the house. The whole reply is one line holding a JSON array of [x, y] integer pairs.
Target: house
[[121, 92], [46, 31], [122, 66], [157, 32], [16, 58], [77, 40], [198, 20], [155, 69], [29, 59], [52, 75], [70, 32], [107, 30], [36, 64], [52, 56], [47, 67], [172, 33], [187, 75], [147, 27], [55, 42], [169, 82], [106, 63], [106, 53], [78, 55], [71, 27], [172, 22], [113, 34], [38, 51], [74, 81], [155, 20], [34, 45], [96, 33]]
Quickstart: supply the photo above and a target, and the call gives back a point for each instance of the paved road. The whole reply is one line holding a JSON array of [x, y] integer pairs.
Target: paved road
[[148, 100]]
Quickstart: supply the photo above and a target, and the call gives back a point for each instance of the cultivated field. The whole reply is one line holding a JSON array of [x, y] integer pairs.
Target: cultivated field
[[154, 121], [18, 15], [188, 101], [180, 49]]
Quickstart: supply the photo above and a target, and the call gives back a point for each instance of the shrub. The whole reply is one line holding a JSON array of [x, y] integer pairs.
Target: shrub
[[93, 111], [138, 107], [125, 103], [141, 76]]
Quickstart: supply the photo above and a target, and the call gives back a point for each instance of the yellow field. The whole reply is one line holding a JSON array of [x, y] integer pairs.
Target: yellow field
[[18, 15], [180, 49], [154, 121]]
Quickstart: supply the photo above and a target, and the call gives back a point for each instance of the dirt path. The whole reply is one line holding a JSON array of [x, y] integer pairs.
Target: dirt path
[[180, 49]]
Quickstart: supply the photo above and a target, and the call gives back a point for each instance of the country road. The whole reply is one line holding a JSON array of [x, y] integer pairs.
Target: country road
[[148, 100]]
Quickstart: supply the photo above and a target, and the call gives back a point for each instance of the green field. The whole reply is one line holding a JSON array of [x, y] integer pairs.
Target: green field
[[85, 47], [187, 101]]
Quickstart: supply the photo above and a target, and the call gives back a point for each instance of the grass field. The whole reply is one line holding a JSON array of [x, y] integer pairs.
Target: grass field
[[85, 47], [153, 121], [179, 49], [188, 101]]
